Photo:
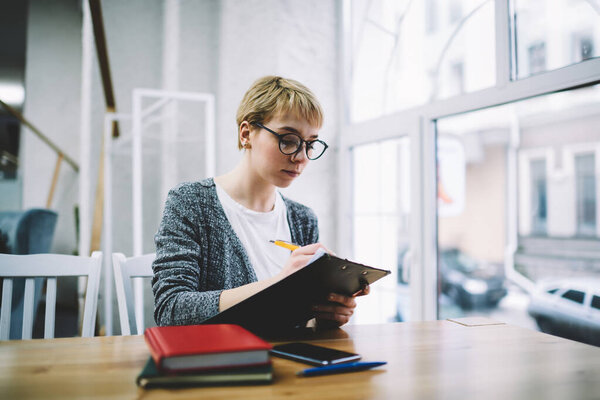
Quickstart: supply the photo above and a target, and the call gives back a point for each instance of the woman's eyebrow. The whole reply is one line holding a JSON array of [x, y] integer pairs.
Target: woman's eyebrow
[[296, 131]]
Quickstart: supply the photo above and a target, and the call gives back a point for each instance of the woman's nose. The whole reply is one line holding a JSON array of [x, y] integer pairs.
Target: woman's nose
[[300, 155]]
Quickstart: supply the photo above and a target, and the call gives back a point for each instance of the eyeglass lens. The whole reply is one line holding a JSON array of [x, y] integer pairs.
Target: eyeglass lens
[[290, 144]]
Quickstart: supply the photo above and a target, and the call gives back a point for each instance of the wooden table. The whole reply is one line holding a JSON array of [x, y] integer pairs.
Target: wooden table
[[461, 359]]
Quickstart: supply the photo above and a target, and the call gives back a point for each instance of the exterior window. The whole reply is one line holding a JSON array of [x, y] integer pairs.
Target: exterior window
[[596, 302], [567, 28], [381, 193], [574, 295], [402, 52], [538, 197], [537, 57], [458, 78], [585, 194], [583, 47], [430, 16], [518, 193], [586, 48], [455, 11]]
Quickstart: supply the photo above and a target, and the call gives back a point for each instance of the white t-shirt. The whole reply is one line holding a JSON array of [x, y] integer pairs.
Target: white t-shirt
[[255, 229]]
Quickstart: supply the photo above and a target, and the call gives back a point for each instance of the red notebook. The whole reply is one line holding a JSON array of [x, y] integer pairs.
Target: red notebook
[[197, 347]]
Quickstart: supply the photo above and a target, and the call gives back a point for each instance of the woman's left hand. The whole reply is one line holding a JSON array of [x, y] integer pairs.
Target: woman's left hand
[[339, 309]]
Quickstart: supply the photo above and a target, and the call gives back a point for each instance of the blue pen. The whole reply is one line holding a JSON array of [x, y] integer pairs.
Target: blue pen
[[339, 368]]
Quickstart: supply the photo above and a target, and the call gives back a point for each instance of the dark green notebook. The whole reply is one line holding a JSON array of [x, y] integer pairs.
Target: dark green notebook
[[151, 378]]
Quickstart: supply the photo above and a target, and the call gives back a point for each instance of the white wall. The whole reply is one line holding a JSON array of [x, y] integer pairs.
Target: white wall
[[223, 47], [296, 40]]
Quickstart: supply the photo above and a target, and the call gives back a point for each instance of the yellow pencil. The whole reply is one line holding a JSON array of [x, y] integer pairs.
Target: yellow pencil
[[284, 244]]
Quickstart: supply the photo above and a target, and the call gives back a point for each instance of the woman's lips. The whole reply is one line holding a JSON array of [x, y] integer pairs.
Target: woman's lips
[[292, 174]]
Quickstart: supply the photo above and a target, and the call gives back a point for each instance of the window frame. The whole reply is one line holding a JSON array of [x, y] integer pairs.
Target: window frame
[[420, 123]]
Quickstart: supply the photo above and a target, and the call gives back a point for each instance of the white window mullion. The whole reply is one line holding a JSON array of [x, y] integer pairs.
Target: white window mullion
[[429, 215], [344, 164], [503, 43], [418, 228], [576, 75]]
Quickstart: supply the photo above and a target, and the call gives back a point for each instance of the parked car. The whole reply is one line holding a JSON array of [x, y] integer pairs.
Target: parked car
[[465, 281], [569, 308], [470, 283]]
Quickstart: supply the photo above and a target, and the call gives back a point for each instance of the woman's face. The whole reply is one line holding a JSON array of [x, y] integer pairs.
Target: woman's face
[[268, 161]]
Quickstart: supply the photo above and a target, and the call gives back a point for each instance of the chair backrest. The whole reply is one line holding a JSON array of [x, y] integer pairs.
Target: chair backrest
[[125, 270], [28, 232], [50, 266]]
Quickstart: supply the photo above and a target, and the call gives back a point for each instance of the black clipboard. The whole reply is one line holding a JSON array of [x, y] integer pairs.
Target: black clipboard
[[288, 303]]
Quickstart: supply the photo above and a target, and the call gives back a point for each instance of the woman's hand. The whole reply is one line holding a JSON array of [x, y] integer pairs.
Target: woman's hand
[[299, 258], [339, 309]]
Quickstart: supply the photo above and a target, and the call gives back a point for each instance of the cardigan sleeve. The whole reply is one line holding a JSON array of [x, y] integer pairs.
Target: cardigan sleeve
[[178, 296]]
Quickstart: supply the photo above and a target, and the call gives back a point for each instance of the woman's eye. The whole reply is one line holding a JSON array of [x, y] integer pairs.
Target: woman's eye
[[289, 143]]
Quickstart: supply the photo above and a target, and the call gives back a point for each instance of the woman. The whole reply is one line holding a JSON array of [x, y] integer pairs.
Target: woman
[[212, 246]]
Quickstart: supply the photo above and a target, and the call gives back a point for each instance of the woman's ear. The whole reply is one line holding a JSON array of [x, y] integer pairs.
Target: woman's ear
[[244, 134]]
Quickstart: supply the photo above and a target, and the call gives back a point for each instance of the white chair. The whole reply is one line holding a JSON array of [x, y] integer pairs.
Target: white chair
[[125, 270], [48, 266]]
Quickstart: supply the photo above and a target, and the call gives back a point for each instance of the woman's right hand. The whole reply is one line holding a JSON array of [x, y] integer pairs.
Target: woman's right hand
[[299, 258]]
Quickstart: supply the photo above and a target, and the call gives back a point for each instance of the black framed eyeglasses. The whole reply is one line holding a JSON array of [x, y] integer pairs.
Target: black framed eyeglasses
[[290, 143]]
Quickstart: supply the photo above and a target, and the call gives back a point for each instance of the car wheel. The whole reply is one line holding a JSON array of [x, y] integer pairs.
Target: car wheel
[[494, 303], [465, 303], [544, 324], [454, 295]]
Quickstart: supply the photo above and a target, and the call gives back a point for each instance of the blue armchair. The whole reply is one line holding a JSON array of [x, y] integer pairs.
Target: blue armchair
[[26, 232]]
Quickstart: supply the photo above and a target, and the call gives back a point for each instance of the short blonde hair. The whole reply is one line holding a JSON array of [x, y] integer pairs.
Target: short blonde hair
[[271, 95]]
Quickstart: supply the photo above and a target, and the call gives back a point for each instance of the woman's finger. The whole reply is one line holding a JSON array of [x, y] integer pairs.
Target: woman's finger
[[311, 249], [345, 300], [329, 308], [339, 319]]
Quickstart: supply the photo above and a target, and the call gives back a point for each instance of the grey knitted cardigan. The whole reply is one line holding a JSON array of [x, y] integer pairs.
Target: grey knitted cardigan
[[198, 254]]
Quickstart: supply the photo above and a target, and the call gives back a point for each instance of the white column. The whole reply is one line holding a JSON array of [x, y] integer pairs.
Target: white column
[[85, 154], [85, 130], [170, 81], [107, 224]]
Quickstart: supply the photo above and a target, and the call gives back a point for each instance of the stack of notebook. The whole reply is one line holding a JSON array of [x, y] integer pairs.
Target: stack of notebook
[[198, 355]]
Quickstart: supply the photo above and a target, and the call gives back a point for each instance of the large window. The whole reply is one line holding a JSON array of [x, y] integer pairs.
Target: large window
[[553, 34], [529, 196], [407, 53], [380, 221], [502, 113]]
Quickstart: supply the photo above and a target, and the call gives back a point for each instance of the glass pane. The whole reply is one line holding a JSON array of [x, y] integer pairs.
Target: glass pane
[[527, 181], [406, 53], [554, 34], [381, 184], [574, 295]]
